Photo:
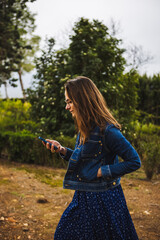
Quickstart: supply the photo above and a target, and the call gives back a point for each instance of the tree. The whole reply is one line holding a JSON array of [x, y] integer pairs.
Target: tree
[[149, 101], [47, 98], [94, 53], [16, 26], [26, 64], [136, 57], [97, 54]]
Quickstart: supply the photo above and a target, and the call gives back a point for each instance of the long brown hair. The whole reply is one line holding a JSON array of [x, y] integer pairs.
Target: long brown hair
[[90, 106]]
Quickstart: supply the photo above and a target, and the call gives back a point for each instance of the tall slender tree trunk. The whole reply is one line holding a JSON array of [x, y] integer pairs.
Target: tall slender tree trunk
[[5, 86], [21, 83]]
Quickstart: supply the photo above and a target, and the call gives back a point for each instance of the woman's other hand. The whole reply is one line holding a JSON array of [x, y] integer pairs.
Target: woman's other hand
[[99, 173]]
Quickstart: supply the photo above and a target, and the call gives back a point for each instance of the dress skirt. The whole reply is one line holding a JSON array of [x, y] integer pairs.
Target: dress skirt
[[96, 216]]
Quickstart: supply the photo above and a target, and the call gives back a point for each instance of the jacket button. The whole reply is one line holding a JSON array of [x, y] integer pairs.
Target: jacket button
[[114, 183], [80, 179], [99, 141], [101, 144], [77, 175], [95, 155], [99, 152]]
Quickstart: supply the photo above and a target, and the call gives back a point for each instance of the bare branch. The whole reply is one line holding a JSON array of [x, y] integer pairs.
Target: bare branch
[[136, 57]]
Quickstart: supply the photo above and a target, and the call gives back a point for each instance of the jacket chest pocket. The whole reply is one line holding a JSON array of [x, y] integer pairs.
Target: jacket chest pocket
[[91, 149]]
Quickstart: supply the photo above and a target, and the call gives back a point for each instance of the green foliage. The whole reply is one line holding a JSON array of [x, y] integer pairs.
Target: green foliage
[[148, 129], [149, 148], [93, 52], [15, 116], [47, 99], [149, 100], [25, 147], [127, 99], [17, 41], [147, 142], [3, 140], [20, 146], [18, 136]]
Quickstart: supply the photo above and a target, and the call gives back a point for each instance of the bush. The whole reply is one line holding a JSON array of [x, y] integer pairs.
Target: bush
[[15, 116], [25, 147], [147, 128], [147, 142], [18, 139], [149, 148], [3, 142]]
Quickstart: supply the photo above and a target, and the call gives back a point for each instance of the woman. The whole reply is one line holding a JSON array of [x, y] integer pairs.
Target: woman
[[98, 210]]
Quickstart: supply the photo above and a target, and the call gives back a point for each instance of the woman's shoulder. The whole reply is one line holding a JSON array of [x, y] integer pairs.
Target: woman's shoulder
[[112, 129], [108, 128]]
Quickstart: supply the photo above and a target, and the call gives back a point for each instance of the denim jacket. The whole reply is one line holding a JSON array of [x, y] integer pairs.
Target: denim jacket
[[100, 151]]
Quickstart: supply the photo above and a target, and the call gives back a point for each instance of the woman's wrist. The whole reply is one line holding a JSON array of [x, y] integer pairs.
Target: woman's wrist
[[63, 151]]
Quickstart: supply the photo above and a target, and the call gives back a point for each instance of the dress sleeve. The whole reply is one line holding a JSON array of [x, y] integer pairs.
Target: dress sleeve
[[119, 145]]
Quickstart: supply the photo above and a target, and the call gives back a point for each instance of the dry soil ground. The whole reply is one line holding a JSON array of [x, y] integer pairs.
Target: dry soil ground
[[32, 200]]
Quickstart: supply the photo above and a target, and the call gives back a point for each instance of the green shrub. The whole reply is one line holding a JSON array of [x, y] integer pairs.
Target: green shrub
[[146, 128], [146, 139], [3, 142], [18, 146], [27, 148], [149, 148], [15, 116]]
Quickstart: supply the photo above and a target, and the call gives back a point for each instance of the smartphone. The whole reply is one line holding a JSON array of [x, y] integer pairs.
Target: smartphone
[[50, 144]]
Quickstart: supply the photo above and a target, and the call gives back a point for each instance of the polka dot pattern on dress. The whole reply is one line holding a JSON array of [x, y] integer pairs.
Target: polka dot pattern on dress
[[96, 216]]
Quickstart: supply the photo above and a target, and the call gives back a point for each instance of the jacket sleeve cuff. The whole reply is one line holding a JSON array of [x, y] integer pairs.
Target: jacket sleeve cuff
[[67, 155], [106, 172]]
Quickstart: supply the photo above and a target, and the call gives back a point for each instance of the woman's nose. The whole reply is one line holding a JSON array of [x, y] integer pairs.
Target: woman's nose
[[67, 106]]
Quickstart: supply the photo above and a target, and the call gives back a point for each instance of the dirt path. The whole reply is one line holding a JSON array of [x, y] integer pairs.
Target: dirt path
[[31, 209]]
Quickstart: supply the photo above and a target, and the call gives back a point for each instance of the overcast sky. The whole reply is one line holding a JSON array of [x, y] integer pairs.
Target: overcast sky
[[138, 22]]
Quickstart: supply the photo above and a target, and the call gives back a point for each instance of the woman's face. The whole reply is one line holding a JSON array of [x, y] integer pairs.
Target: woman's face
[[69, 104]]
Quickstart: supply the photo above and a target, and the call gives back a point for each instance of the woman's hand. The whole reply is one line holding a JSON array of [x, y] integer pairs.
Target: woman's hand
[[60, 148], [99, 173]]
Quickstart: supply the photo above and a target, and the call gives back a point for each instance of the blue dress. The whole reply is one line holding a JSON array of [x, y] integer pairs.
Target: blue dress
[[96, 216]]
